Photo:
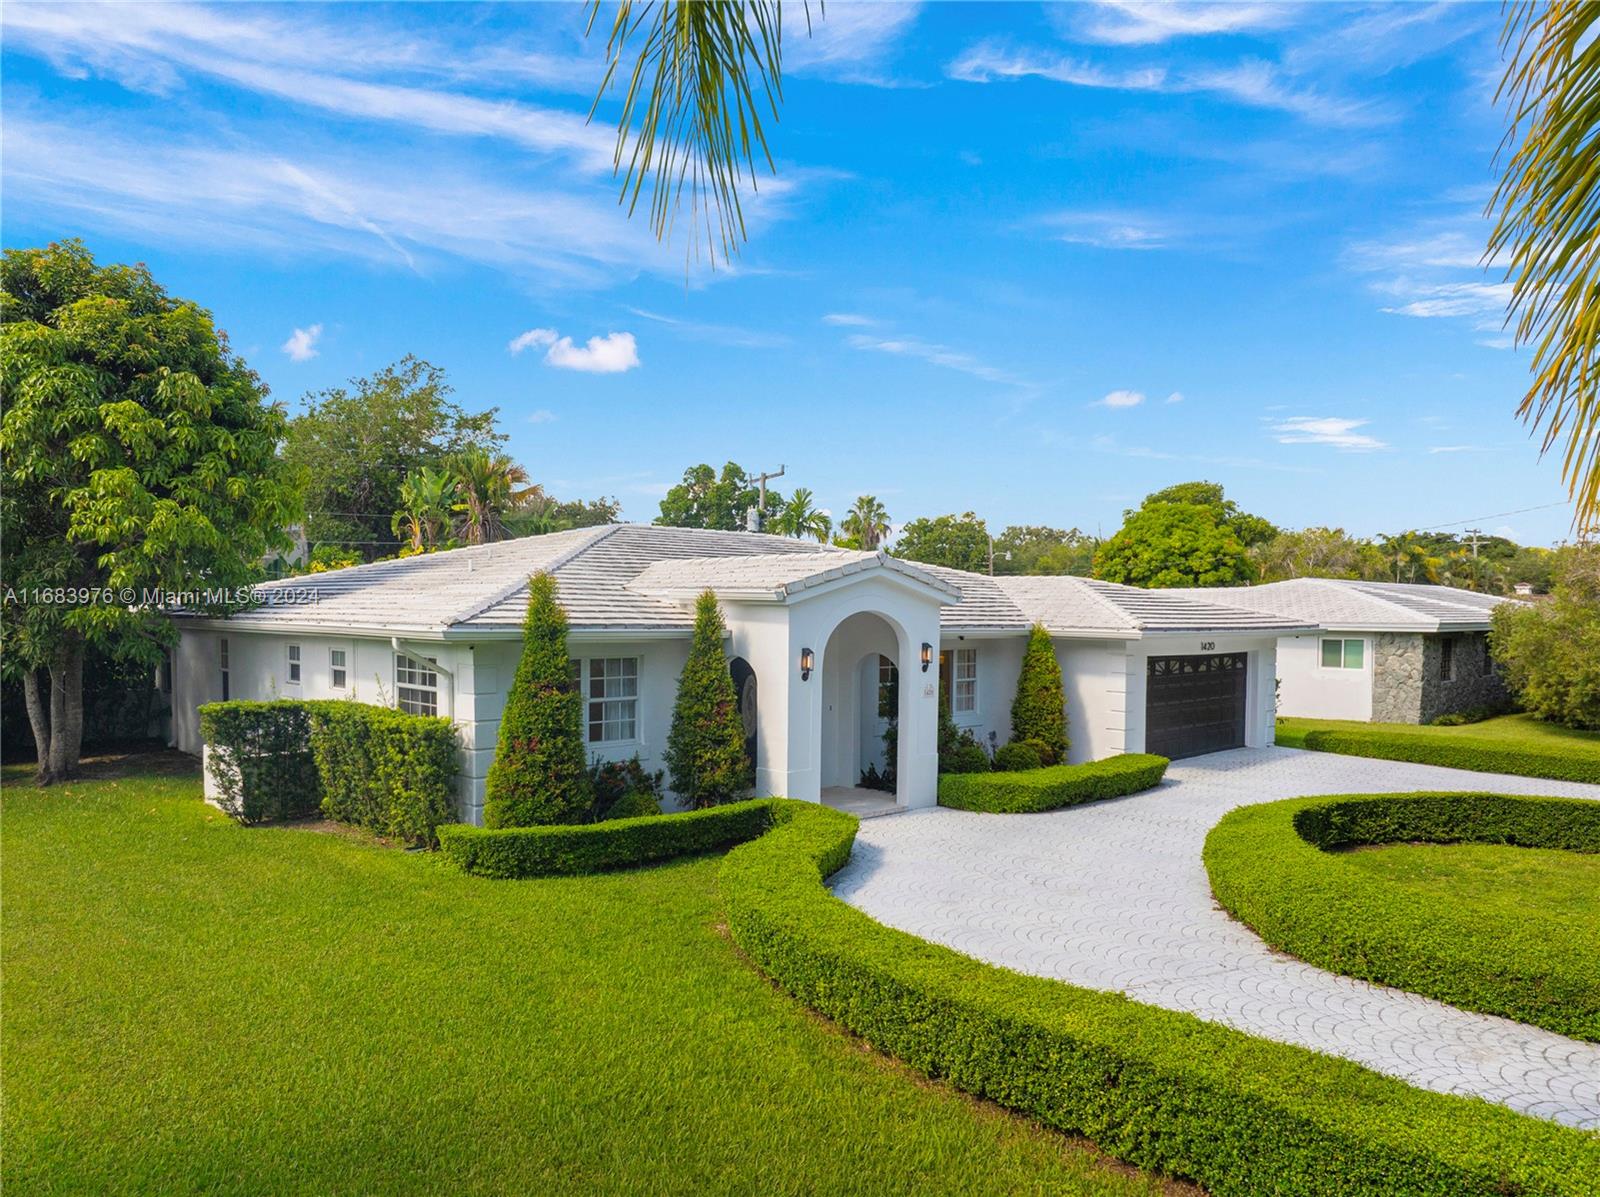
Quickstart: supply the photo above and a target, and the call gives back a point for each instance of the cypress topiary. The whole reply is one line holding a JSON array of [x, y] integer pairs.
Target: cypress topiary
[[705, 748], [1039, 712], [540, 774]]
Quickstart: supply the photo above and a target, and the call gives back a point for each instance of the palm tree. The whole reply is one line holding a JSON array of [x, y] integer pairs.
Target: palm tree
[[487, 483], [1410, 559], [867, 522], [426, 500], [1548, 230], [799, 518], [703, 73]]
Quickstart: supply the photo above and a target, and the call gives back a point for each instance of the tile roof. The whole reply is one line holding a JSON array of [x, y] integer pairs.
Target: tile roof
[[1336, 603], [640, 577]]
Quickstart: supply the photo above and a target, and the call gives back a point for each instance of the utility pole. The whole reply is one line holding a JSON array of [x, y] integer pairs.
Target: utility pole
[[1474, 533], [754, 521]]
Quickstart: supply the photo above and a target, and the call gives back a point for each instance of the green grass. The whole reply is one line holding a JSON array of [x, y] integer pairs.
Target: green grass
[[191, 1006], [1493, 880], [1513, 731]]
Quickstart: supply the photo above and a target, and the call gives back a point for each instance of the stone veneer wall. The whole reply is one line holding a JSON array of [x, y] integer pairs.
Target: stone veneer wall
[[1398, 663], [1474, 685]]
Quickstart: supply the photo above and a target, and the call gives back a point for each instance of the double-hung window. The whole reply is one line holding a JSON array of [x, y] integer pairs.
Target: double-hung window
[[611, 697], [338, 672], [416, 685], [1447, 659], [294, 664], [1344, 654], [964, 682]]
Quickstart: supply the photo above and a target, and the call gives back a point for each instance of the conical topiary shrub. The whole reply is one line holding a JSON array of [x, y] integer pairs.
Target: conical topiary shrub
[[540, 774], [1039, 712], [705, 748]]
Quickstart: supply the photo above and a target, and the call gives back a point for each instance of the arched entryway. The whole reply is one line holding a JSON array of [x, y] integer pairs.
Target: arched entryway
[[860, 670], [744, 686]]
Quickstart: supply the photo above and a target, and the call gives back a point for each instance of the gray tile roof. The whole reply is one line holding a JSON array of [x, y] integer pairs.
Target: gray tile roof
[[1366, 606], [639, 577]]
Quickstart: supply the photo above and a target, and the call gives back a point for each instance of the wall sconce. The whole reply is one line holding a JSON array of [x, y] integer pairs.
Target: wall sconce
[[808, 661], [927, 656]]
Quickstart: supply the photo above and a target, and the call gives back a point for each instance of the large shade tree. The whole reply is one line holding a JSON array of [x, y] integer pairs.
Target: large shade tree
[[956, 541], [1174, 544], [707, 499], [140, 455]]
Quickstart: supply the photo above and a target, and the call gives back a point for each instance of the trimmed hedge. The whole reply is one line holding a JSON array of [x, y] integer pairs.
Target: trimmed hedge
[[508, 852], [373, 767], [1157, 1088], [1455, 753], [1035, 790], [1272, 868]]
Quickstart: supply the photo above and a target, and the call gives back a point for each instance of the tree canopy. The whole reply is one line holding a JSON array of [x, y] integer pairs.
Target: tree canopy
[[140, 454], [1174, 544], [1039, 549], [706, 499], [955, 541], [1250, 529]]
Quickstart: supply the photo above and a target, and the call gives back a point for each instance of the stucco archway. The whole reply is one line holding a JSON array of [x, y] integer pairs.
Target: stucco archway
[[849, 674]]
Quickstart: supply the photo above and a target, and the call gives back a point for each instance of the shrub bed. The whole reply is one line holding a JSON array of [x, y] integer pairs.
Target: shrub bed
[[1160, 1089], [1454, 752], [373, 767], [1272, 868], [1033, 790], [508, 852]]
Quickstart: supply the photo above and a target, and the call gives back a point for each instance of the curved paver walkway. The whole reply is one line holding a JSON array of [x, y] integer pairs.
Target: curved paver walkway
[[1114, 896]]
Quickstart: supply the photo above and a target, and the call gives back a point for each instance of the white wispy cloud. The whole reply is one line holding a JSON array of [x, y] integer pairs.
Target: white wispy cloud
[[1439, 269], [1252, 82], [1326, 430], [302, 343], [1109, 229], [848, 320], [1175, 397], [847, 42], [934, 354], [613, 353], [1121, 399], [542, 416], [1137, 23], [716, 334]]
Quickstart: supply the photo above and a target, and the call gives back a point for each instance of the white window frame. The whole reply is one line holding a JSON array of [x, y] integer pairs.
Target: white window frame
[[964, 673], [338, 671], [417, 676], [1341, 641], [607, 700], [296, 667]]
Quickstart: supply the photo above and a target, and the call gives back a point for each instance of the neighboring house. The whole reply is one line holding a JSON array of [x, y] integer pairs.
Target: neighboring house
[[1388, 652], [1523, 589], [818, 637]]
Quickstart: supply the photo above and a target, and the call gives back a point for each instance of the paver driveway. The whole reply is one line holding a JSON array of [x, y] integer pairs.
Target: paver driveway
[[1114, 896]]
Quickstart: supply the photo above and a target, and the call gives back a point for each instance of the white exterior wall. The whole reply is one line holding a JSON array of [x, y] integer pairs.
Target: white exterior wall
[[1312, 692]]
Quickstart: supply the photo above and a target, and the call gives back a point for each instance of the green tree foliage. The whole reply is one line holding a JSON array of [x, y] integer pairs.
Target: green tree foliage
[[488, 484], [427, 500], [1174, 544], [705, 499], [1037, 549], [1551, 651], [705, 746], [539, 775], [138, 453], [798, 518], [1409, 558], [534, 512], [956, 541], [1549, 208], [1250, 529], [1317, 553], [355, 446], [866, 526], [1039, 711]]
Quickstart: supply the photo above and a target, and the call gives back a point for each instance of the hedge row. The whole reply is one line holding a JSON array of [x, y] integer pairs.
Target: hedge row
[[1033, 790], [373, 767], [1455, 752], [1271, 868], [1157, 1088], [594, 847]]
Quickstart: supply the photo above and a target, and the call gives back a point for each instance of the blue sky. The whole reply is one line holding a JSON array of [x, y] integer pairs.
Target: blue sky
[[1029, 261]]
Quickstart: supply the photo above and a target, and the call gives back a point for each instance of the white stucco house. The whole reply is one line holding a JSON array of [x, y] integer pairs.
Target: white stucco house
[[1386, 652], [815, 635]]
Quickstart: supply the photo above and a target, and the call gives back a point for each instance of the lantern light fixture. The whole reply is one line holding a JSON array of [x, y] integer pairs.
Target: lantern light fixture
[[927, 656], [808, 662]]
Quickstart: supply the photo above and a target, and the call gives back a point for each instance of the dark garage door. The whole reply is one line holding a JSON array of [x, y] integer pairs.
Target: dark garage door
[[1195, 704]]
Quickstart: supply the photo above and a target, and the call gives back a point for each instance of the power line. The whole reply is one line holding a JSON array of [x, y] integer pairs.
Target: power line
[[1496, 515]]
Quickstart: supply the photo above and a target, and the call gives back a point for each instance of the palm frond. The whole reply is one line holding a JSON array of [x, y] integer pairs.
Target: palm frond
[[704, 72], [1547, 228]]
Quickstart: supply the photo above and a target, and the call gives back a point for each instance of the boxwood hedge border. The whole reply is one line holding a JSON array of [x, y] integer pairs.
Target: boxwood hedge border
[[570, 850], [1453, 752], [1157, 1088], [1030, 791], [1273, 867]]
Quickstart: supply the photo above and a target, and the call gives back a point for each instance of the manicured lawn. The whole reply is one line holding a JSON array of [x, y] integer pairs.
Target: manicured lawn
[[1492, 880], [1513, 731], [192, 1006]]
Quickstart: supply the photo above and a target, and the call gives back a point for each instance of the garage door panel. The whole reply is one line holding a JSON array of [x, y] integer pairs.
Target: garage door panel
[[1195, 703]]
